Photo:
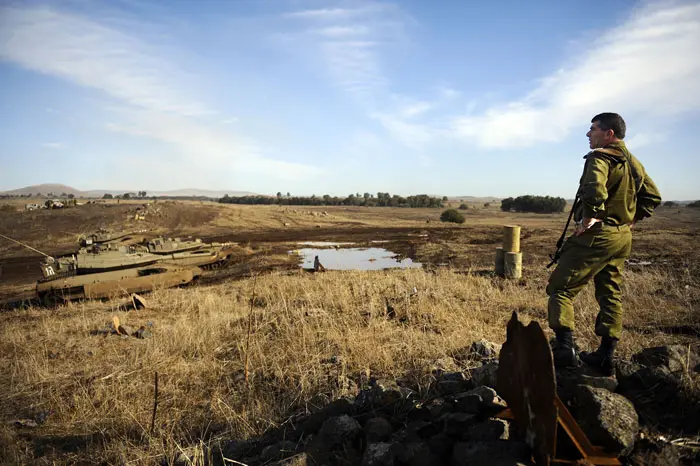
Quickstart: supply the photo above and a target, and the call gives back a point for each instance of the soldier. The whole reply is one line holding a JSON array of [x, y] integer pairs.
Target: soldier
[[614, 193]]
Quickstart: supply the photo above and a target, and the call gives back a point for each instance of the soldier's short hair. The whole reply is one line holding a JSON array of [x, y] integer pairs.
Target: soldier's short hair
[[611, 121]]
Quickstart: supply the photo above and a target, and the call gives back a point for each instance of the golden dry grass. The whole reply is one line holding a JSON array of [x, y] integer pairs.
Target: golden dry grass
[[100, 389]]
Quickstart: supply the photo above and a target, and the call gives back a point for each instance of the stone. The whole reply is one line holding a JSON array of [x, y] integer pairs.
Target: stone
[[495, 453], [677, 358], [234, 450], [126, 330], [338, 430], [378, 454], [415, 454], [485, 349], [444, 365], [468, 403], [448, 387], [143, 333], [608, 419], [485, 375], [491, 429], [313, 423], [377, 429], [296, 460], [278, 450], [456, 423]]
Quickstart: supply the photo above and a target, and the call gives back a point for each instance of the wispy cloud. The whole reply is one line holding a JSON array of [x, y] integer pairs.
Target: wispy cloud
[[52, 145], [350, 42], [648, 65], [150, 102]]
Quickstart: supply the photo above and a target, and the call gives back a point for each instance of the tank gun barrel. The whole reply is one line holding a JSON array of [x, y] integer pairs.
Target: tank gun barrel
[[26, 246]]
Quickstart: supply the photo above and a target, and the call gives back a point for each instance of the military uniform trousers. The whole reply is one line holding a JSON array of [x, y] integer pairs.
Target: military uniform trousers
[[598, 253]]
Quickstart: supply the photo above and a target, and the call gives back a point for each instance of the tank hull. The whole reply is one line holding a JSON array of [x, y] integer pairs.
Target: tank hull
[[115, 283]]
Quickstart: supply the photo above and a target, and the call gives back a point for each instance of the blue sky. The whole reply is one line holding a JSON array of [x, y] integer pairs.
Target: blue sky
[[451, 97]]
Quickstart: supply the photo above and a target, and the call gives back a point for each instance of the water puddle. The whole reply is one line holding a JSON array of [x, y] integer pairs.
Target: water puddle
[[354, 259], [324, 244]]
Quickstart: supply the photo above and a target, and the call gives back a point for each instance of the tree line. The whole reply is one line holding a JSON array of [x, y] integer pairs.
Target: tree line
[[536, 204], [368, 200]]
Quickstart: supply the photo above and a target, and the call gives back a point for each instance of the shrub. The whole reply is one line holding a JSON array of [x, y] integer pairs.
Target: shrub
[[452, 215], [537, 204], [695, 204], [463, 207], [670, 204]]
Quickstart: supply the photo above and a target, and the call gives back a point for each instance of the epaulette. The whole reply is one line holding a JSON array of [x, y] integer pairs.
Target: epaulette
[[610, 155]]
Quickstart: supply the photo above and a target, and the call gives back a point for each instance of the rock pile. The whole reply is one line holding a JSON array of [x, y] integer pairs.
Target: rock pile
[[456, 421]]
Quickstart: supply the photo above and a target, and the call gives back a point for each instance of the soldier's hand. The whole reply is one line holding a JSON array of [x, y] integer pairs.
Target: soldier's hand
[[585, 224]]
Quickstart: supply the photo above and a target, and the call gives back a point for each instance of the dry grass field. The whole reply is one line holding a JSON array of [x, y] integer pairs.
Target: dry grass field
[[308, 338]]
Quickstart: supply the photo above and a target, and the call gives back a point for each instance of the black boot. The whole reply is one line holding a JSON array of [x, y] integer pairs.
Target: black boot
[[563, 352], [602, 358]]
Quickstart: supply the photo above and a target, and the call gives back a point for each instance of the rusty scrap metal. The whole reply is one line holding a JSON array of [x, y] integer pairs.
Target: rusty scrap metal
[[526, 381]]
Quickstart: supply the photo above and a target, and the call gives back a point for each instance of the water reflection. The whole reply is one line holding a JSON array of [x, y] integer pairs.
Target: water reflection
[[355, 259]]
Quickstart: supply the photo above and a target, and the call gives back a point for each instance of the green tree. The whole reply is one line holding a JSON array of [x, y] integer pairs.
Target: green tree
[[452, 215], [107, 196]]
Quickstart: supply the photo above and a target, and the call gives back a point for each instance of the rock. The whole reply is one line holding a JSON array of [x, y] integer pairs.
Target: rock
[[491, 429], [377, 429], [378, 454], [234, 450], [126, 330], [443, 365], [485, 348], [313, 423], [338, 430], [485, 375], [647, 452], [441, 445], [608, 419], [143, 333], [468, 403], [278, 450], [496, 453], [438, 407], [448, 387], [456, 423], [677, 358], [415, 454], [296, 460]]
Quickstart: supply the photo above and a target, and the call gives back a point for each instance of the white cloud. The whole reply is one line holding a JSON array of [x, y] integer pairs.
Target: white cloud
[[638, 140], [150, 102], [648, 65], [52, 145], [411, 135]]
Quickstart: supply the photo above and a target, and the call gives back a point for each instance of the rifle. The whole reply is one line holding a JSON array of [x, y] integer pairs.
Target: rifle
[[560, 243]]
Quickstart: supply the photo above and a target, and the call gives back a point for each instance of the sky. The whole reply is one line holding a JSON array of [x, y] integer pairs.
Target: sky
[[454, 98]]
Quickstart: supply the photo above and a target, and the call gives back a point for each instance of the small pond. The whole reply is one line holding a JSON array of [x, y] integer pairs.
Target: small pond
[[334, 257]]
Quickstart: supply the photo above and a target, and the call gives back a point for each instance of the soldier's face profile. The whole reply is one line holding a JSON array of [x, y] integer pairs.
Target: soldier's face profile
[[596, 136]]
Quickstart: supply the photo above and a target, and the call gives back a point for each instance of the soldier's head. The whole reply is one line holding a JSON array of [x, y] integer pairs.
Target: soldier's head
[[605, 129]]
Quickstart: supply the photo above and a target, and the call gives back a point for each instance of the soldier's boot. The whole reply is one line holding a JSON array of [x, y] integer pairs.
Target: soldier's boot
[[602, 358], [564, 353]]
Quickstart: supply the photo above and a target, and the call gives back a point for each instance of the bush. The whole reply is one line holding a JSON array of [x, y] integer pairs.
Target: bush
[[463, 207], [670, 204], [537, 204], [695, 204], [452, 215]]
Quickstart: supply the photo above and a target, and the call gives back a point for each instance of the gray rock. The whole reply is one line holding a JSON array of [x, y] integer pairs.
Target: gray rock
[[338, 430], [496, 453], [296, 460], [457, 423], [608, 419], [448, 387], [485, 375], [441, 445], [278, 451], [416, 454], [126, 330], [377, 429], [491, 429], [485, 348], [677, 358], [468, 403], [143, 333], [379, 454], [438, 406], [313, 423]]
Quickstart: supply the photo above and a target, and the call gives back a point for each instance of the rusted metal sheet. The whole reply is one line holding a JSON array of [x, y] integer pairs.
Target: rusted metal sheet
[[526, 382]]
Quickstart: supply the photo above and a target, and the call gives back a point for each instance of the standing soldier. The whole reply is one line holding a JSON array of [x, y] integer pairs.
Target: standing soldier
[[614, 193]]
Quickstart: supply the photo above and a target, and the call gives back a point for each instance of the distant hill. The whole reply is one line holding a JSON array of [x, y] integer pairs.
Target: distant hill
[[57, 189]]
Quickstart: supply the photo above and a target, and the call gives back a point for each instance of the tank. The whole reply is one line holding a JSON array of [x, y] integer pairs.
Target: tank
[[111, 256], [60, 286], [163, 245], [207, 257], [102, 235]]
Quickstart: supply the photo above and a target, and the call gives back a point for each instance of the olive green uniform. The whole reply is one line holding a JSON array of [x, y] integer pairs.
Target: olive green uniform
[[614, 188]]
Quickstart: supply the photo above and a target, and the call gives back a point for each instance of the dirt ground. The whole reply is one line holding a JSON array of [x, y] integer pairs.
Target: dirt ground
[[267, 233]]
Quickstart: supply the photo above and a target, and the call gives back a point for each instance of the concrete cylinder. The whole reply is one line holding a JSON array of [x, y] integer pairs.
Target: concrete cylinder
[[513, 265], [499, 261], [511, 238]]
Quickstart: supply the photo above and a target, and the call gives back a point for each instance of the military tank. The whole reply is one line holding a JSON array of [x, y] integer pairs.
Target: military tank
[[61, 283], [104, 257]]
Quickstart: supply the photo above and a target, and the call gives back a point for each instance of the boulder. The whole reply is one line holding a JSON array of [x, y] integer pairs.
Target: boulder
[[485, 375], [608, 419], [338, 430], [494, 453], [676, 358], [379, 454], [377, 429], [485, 349]]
